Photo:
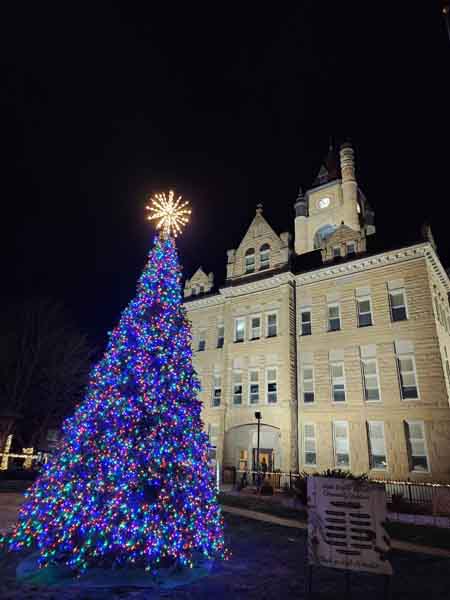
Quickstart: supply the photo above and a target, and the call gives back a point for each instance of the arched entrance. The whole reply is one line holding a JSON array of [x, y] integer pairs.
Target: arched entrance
[[240, 446]]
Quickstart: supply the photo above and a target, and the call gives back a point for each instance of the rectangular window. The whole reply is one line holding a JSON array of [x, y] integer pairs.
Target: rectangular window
[[334, 317], [272, 328], [264, 257], [201, 341], [250, 262], [253, 389], [417, 447], [220, 335], [308, 384], [271, 382], [306, 321], [239, 329], [341, 445], [377, 445], [351, 248], [370, 379], [217, 390], [408, 378], [337, 382], [397, 301], [237, 388], [336, 252], [309, 445], [364, 312], [255, 328]]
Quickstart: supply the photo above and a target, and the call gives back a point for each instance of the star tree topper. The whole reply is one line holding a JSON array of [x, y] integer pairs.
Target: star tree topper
[[171, 215]]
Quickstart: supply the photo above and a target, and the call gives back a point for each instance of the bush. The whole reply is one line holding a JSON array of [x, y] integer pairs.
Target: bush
[[301, 482], [266, 489]]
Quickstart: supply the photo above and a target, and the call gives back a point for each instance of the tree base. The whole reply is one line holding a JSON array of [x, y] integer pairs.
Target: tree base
[[29, 573]]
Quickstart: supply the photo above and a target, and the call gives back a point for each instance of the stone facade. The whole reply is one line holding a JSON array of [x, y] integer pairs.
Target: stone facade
[[348, 362]]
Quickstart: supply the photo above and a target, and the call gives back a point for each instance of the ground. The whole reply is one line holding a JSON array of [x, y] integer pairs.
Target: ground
[[267, 562]]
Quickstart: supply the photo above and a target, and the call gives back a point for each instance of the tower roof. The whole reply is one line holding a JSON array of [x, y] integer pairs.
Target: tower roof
[[330, 169]]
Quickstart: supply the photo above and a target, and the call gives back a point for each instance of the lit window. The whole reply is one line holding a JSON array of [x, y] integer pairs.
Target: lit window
[[220, 335], [370, 379], [253, 391], [309, 444], [272, 325], [364, 312], [397, 302], [237, 387], [337, 382], [243, 459], [264, 256], [334, 317], [201, 341], [308, 384], [217, 390], [271, 381], [306, 321], [408, 377], [250, 260], [255, 327], [377, 445], [239, 330], [341, 444], [417, 448]]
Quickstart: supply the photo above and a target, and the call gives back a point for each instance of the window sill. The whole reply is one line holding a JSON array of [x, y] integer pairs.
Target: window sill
[[238, 341], [272, 336], [254, 339], [362, 326]]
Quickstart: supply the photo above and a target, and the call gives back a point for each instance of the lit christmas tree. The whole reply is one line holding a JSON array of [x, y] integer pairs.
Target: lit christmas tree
[[130, 483]]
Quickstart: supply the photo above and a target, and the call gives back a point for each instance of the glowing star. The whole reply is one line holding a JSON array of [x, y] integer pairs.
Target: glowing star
[[172, 215]]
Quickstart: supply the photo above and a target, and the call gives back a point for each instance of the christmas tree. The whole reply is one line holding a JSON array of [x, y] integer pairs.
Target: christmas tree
[[130, 483]]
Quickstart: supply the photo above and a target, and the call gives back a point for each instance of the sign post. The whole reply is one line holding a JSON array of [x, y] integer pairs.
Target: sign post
[[346, 520]]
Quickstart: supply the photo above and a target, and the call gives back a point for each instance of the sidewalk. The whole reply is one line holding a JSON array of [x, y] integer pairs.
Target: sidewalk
[[395, 544]]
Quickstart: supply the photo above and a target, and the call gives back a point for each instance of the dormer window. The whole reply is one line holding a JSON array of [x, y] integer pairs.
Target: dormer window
[[351, 248], [264, 256], [336, 252], [250, 260]]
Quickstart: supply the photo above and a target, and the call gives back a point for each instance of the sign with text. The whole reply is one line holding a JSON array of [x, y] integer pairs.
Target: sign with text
[[346, 525]]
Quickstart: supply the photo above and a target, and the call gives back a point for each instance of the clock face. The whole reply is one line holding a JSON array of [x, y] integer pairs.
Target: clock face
[[324, 202]]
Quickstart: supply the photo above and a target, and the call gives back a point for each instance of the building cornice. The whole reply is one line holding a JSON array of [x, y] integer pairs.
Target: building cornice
[[367, 263], [204, 302], [262, 285], [436, 266]]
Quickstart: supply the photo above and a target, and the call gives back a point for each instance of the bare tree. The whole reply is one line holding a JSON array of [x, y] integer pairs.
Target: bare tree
[[44, 362]]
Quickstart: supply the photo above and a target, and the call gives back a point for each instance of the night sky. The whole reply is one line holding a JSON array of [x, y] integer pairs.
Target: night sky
[[104, 104]]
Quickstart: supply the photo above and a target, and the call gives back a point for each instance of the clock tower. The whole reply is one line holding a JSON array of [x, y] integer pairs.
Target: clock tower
[[333, 200]]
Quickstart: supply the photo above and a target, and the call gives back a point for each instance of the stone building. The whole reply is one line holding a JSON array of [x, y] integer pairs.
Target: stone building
[[342, 345]]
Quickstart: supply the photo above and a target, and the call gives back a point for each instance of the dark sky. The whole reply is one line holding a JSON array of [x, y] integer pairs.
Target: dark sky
[[103, 104]]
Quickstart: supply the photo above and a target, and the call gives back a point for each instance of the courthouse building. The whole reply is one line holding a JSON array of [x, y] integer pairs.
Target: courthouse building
[[340, 344]]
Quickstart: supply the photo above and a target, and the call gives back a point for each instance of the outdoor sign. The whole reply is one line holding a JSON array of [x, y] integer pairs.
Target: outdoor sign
[[346, 525]]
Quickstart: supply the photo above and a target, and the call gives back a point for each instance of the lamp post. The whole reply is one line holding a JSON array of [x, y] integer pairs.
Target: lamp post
[[258, 417]]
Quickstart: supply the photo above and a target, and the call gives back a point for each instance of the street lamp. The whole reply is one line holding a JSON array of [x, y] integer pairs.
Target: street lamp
[[258, 417]]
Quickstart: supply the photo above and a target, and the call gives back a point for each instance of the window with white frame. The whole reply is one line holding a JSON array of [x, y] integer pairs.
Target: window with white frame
[[334, 317], [370, 379], [337, 381], [341, 445], [336, 252], [305, 319], [408, 376], [377, 445], [309, 445], [364, 307], [272, 385], [213, 433], [272, 325], [250, 260], [308, 383], [237, 387], [220, 335], [201, 341], [239, 329], [253, 386], [217, 390], [397, 302], [264, 256], [417, 446], [351, 248], [255, 327]]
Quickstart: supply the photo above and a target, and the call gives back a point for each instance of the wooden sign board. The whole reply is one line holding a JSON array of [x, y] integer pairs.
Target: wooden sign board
[[346, 525]]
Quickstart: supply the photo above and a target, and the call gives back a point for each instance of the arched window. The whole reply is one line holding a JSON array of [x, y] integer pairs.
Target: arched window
[[264, 256], [322, 234], [250, 260]]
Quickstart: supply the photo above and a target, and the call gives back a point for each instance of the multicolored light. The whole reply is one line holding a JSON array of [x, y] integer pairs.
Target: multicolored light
[[129, 483]]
